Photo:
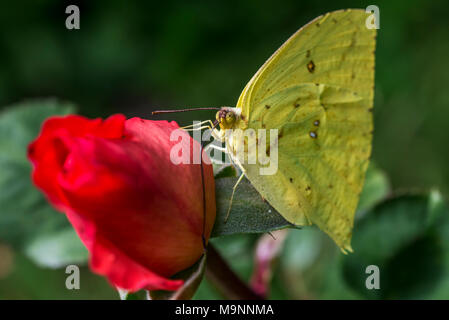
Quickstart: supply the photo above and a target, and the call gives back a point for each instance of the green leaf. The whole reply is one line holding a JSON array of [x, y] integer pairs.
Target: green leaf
[[57, 249], [192, 278], [249, 212], [406, 237], [26, 218], [224, 171]]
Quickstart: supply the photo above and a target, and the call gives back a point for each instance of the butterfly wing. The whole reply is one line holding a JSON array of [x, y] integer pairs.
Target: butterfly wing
[[317, 90]]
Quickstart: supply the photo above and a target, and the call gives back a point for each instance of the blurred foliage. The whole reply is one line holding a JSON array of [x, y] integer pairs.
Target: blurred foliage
[[27, 281], [134, 57], [27, 221], [406, 237]]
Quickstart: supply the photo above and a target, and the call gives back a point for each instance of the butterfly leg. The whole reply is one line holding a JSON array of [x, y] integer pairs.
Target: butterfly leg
[[232, 195], [218, 135], [199, 126], [214, 147], [237, 162]]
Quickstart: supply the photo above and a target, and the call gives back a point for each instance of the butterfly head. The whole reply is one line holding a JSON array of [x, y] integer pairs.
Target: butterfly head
[[226, 118]]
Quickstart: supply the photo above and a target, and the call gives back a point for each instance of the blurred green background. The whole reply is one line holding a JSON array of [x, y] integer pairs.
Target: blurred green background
[[134, 57]]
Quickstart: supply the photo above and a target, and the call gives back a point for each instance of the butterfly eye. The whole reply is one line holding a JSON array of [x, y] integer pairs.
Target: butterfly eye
[[230, 117]]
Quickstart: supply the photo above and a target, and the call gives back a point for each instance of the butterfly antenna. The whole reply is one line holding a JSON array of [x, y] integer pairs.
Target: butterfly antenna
[[183, 110]]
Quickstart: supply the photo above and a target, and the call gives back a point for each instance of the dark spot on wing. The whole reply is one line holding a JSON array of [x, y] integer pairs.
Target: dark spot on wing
[[313, 134], [308, 190], [267, 106], [316, 123], [311, 66]]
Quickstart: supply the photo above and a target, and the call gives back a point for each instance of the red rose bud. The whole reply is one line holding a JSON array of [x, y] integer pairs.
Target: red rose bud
[[139, 214]]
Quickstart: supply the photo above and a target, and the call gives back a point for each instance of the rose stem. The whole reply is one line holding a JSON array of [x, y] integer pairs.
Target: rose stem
[[225, 280]]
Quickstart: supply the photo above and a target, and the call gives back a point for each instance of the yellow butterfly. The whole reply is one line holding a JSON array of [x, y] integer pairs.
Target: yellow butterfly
[[317, 91]]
